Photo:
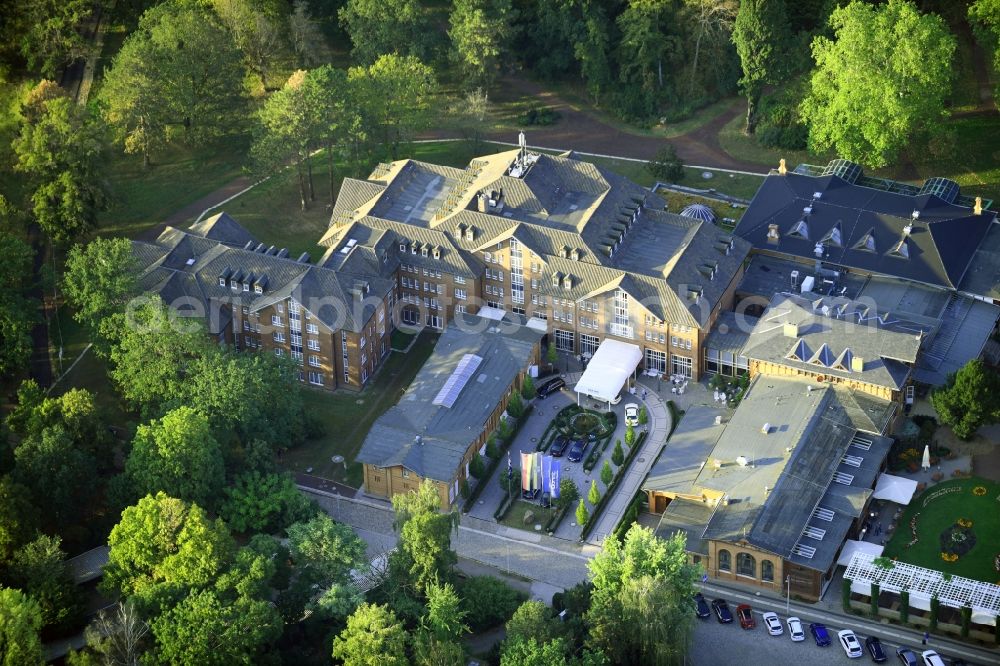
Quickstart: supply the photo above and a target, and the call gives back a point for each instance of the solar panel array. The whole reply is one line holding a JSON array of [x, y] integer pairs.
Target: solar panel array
[[449, 393]]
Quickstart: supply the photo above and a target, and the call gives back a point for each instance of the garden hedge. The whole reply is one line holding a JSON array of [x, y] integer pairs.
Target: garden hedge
[[493, 463], [619, 473]]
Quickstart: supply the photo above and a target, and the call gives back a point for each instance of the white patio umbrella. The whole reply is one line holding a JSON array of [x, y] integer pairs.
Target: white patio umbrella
[[926, 463]]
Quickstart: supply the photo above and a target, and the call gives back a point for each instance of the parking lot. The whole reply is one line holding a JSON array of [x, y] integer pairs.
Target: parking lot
[[717, 644]]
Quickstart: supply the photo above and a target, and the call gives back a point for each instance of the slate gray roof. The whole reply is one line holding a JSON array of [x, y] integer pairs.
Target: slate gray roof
[[445, 434], [558, 206], [730, 332], [810, 433], [888, 350], [939, 245], [184, 268], [688, 518], [679, 464], [983, 276]]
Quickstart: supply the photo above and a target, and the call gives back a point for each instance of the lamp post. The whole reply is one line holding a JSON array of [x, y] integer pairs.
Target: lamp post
[[788, 594]]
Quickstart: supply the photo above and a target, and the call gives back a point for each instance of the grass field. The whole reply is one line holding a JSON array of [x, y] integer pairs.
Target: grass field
[[677, 201], [515, 515], [939, 515], [348, 416]]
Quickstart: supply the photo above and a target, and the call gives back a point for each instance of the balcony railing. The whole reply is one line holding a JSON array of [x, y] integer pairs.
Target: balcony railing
[[622, 331]]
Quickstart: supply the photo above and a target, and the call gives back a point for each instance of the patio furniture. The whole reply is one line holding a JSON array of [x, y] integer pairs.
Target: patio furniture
[[673, 389]]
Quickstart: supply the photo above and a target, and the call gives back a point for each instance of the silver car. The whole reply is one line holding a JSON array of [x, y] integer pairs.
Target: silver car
[[850, 643], [795, 631], [772, 623]]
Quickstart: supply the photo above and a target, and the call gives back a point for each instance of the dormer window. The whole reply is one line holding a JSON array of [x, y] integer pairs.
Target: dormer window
[[222, 281], [234, 285], [567, 282], [257, 289], [246, 286], [772, 232], [800, 230], [556, 279], [470, 234], [413, 250], [437, 253], [575, 255], [867, 242], [423, 252], [901, 249], [402, 247], [834, 236]]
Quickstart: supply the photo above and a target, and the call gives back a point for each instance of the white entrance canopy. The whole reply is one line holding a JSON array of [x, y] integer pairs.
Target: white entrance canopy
[[609, 369], [851, 546], [488, 312], [895, 489]]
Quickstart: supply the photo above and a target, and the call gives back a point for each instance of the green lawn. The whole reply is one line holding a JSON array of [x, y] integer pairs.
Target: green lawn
[[939, 515], [677, 201], [515, 515], [348, 416], [179, 176]]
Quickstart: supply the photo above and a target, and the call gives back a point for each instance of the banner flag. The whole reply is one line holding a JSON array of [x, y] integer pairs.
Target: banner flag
[[554, 479], [546, 466], [526, 459], [537, 479]]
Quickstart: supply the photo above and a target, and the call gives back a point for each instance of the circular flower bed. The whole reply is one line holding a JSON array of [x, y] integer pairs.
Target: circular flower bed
[[585, 423], [979, 491], [957, 541], [964, 522]]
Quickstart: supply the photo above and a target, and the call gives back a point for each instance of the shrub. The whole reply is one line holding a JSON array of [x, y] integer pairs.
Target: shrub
[[618, 455], [492, 450], [488, 601], [845, 594], [629, 437], [606, 474], [313, 426], [643, 415], [476, 466], [539, 117], [568, 493], [528, 388], [515, 406], [582, 515], [875, 594], [666, 166], [465, 489], [904, 606], [594, 495]]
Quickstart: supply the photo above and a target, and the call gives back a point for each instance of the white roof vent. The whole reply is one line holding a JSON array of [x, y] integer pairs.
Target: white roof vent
[[742, 461], [766, 428], [915, 214], [817, 195]]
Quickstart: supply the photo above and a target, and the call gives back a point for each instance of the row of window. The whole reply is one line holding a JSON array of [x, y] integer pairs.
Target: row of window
[[746, 565]]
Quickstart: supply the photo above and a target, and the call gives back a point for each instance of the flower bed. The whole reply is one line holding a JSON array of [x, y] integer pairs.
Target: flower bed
[[957, 541]]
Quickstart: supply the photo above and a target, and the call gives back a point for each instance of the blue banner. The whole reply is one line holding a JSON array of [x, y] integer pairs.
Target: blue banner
[[553, 478], [546, 466]]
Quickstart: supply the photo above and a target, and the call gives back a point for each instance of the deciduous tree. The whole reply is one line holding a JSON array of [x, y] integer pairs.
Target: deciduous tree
[[373, 637], [650, 44], [480, 32], [20, 622], [61, 150], [179, 455], [424, 553], [283, 134], [392, 95], [329, 548], [179, 69], [18, 517], [258, 31], [606, 474], [60, 474], [202, 629], [438, 642], [984, 15], [761, 34], [267, 503], [582, 515], [39, 569], [50, 35], [17, 311], [165, 541], [381, 27], [881, 80], [99, 280]]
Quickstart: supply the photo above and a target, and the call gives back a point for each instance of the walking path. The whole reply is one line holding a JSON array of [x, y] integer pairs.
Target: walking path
[[659, 430]]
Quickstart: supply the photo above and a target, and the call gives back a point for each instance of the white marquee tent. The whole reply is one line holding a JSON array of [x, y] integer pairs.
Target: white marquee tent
[[895, 489], [608, 370]]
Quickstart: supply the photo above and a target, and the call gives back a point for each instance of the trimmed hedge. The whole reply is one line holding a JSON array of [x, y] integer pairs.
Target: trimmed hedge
[[630, 515], [555, 519], [505, 504], [591, 462], [495, 462], [596, 513]]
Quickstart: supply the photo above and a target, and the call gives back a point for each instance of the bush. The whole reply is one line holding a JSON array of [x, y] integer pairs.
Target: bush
[[794, 137], [476, 466], [666, 166], [313, 426], [528, 388], [515, 406], [488, 601], [539, 117], [492, 450], [618, 455]]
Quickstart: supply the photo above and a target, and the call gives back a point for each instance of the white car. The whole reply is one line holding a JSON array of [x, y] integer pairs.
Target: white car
[[851, 644], [631, 414], [773, 624], [931, 658], [795, 629]]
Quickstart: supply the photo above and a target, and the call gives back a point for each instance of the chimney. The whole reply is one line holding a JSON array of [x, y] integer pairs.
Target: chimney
[[772, 233], [978, 208], [482, 204], [782, 169], [791, 330], [857, 364]]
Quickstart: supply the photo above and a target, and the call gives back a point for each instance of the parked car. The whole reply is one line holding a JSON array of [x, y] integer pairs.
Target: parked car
[[701, 607], [772, 623], [795, 629], [616, 399], [906, 656], [576, 450], [851, 644], [722, 612], [631, 414], [559, 446], [745, 613], [819, 634], [875, 649], [931, 658], [550, 387]]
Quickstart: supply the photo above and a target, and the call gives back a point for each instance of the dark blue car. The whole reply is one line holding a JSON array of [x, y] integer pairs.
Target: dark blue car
[[701, 607], [820, 634], [559, 446], [576, 450], [722, 612]]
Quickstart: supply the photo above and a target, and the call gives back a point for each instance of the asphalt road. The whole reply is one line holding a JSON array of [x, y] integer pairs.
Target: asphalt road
[[725, 644]]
